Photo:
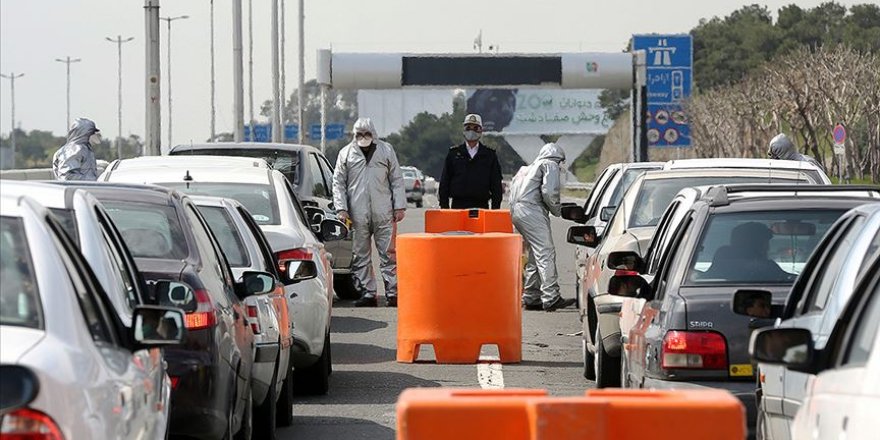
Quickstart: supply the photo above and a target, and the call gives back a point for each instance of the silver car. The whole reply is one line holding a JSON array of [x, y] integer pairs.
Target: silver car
[[97, 376], [414, 184]]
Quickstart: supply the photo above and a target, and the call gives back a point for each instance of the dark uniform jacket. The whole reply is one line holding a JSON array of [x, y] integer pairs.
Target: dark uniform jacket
[[471, 183]]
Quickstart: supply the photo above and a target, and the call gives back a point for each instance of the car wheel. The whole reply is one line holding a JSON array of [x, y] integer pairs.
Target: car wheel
[[284, 407], [315, 380], [343, 284], [589, 368], [265, 413], [247, 420], [607, 367]]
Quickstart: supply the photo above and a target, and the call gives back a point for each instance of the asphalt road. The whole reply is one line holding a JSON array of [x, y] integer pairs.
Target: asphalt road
[[367, 380]]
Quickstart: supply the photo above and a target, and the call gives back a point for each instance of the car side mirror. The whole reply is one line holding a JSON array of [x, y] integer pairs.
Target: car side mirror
[[333, 230], [574, 213], [299, 270], [156, 326], [626, 260], [606, 213], [791, 347], [755, 304], [629, 284], [173, 294], [583, 236], [254, 283], [20, 387]]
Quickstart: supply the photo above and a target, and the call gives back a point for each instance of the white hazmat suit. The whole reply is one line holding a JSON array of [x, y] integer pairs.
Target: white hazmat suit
[[75, 160], [781, 147], [370, 193], [534, 194]]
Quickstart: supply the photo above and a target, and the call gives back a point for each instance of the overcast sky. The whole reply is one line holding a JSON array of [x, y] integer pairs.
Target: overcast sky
[[34, 33]]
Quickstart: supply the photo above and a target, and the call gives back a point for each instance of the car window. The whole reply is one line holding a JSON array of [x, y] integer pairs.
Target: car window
[[211, 257], [67, 220], [824, 284], [592, 206], [626, 179], [655, 194], [674, 256], [873, 251], [260, 199], [297, 207], [128, 283], [327, 170], [285, 161], [224, 229], [758, 247], [265, 248], [660, 237], [862, 339], [149, 230], [319, 186], [19, 292]]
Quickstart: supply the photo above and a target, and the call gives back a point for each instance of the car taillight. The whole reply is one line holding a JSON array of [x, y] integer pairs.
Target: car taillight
[[417, 185], [696, 350], [300, 254], [174, 381], [29, 424], [252, 318], [625, 273], [204, 316]]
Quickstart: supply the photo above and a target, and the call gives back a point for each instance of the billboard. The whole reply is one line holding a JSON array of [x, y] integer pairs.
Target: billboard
[[538, 111]]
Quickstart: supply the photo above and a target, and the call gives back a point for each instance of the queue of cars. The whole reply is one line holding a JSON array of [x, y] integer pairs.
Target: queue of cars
[[694, 245], [198, 311]]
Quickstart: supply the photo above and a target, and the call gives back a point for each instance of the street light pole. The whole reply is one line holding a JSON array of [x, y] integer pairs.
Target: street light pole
[[237, 74], [153, 86], [68, 61], [213, 94], [118, 40], [251, 67], [277, 129], [300, 93], [11, 77], [168, 68]]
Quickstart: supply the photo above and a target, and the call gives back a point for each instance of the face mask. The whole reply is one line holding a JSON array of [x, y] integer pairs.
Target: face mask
[[472, 135], [95, 139], [364, 142]]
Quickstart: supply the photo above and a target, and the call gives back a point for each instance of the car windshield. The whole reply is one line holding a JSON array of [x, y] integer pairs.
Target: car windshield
[[759, 247], [224, 229], [259, 199], [629, 176], [19, 295], [285, 161], [656, 194], [409, 174], [149, 230]]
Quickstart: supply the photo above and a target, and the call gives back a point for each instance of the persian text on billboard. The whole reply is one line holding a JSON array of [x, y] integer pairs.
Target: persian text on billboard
[[538, 111]]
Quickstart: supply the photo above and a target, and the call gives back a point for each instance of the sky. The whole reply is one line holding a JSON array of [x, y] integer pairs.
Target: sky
[[34, 33]]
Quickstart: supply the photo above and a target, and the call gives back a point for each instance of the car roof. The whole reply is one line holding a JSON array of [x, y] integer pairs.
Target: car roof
[[737, 162], [10, 205], [50, 196], [176, 161], [749, 172], [122, 191], [721, 195], [219, 202], [177, 173], [180, 149], [639, 165]]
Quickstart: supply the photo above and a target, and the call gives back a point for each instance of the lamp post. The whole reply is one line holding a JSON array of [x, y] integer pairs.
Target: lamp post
[[11, 77], [68, 61], [168, 68], [119, 41]]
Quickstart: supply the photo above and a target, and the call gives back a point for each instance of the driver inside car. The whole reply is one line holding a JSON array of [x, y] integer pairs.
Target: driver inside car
[[745, 258]]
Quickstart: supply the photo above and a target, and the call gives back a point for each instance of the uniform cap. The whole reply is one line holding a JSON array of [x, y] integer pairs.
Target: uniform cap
[[473, 118]]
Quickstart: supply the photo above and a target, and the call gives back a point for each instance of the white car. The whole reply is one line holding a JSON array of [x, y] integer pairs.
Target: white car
[[274, 206], [56, 320], [813, 172], [842, 400]]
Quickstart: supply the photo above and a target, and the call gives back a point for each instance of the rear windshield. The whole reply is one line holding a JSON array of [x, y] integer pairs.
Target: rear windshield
[[259, 199], [224, 229], [68, 222], [149, 230], [759, 247], [285, 161], [629, 176], [19, 295], [656, 194], [409, 174]]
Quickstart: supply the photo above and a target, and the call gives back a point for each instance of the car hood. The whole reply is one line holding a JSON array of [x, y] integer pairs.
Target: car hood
[[17, 341]]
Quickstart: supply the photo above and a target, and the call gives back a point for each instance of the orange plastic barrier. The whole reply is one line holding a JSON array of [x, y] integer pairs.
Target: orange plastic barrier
[[458, 293], [436, 413], [472, 220]]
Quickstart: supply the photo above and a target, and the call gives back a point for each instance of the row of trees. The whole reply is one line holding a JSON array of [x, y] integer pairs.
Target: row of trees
[[35, 148]]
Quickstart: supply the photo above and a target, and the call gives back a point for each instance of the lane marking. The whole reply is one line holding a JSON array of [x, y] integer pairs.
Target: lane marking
[[489, 373]]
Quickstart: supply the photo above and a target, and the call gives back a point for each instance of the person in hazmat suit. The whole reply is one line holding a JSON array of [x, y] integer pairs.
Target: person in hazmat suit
[[368, 190], [75, 160], [534, 194], [782, 148]]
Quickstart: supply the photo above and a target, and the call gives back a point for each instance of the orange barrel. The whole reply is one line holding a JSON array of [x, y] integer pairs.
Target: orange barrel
[[459, 292], [473, 220]]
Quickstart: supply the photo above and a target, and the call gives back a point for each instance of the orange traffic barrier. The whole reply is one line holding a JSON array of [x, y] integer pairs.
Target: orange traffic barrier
[[458, 293], [436, 413], [472, 220]]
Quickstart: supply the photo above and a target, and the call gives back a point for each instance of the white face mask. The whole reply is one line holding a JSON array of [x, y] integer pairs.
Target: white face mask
[[471, 135], [95, 139], [364, 142]]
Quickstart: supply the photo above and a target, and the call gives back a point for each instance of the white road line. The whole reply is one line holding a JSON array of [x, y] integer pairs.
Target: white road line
[[489, 373]]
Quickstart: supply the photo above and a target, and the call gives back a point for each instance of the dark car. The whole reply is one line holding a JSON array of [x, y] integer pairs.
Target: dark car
[[678, 325], [311, 175], [211, 370]]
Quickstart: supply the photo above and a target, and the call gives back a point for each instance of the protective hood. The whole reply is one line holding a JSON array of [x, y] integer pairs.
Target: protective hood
[[552, 152], [80, 131], [781, 147], [364, 124]]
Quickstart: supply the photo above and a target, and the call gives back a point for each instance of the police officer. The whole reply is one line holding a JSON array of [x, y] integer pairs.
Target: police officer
[[471, 174]]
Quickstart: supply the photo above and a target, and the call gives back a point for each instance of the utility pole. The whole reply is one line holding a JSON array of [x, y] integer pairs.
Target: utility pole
[[251, 67], [68, 61], [276, 107], [118, 40], [11, 77], [153, 109], [168, 69], [302, 76], [283, 70], [237, 76], [213, 94]]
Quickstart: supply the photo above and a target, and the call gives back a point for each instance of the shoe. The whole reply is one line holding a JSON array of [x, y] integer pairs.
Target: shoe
[[533, 307], [391, 301], [560, 303], [366, 301]]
